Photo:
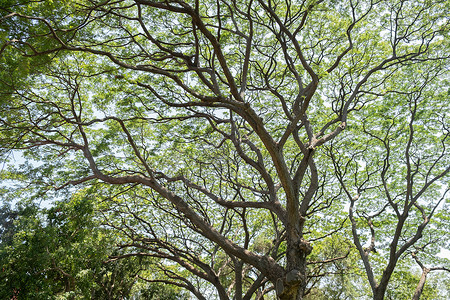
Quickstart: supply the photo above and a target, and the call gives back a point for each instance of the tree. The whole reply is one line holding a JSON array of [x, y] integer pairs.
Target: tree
[[226, 137], [62, 252], [400, 163], [7, 228]]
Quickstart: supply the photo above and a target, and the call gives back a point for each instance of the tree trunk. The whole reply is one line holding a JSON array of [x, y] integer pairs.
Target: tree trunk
[[379, 292], [293, 285], [421, 284]]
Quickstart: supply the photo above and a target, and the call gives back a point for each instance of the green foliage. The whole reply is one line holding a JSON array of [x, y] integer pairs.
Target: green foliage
[[207, 145], [160, 292], [344, 278], [59, 253], [404, 281]]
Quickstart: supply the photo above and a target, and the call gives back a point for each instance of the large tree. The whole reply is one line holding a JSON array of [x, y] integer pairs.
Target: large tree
[[229, 137]]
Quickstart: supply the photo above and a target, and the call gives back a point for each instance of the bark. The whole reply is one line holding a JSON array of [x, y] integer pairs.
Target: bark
[[421, 284]]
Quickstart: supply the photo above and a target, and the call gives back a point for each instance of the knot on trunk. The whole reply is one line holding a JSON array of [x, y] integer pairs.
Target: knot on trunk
[[289, 287], [294, 277], [304, 246]]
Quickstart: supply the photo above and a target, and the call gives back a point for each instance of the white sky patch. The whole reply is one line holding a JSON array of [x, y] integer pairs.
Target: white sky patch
[[445, 253]]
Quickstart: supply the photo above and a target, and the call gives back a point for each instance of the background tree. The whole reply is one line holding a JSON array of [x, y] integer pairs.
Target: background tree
[[62, 252], [227, 137], [400, 163], [57, 252]]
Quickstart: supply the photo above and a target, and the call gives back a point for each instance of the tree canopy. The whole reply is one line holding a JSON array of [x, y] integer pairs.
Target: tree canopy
[[248, 148]]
